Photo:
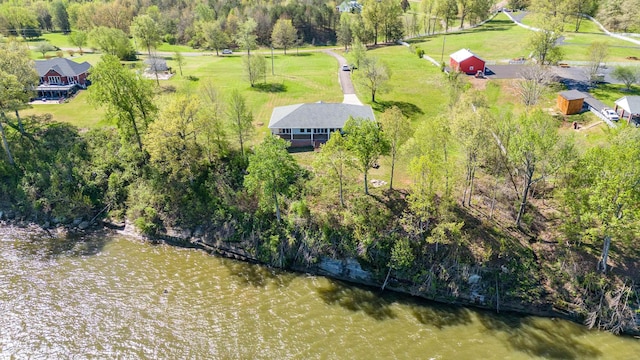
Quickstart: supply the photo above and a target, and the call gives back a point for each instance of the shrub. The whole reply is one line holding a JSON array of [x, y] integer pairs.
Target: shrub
[[419, 52]]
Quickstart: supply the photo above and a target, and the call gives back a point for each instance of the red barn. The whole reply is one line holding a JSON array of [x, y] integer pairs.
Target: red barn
[[466, 62]]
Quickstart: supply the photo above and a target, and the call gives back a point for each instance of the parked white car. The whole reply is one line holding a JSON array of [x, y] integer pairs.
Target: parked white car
[[610, 114]]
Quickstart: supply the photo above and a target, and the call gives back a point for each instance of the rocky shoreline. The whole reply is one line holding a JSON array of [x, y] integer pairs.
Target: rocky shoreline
[[347, 270]]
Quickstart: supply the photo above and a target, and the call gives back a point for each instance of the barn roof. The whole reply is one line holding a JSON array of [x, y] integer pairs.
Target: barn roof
[[463, 54], [573, 95], [317, 115], [62, 66], [630, 104]]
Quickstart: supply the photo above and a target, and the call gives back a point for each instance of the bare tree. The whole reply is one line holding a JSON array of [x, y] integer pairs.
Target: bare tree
[[598, 52], [532, 84]]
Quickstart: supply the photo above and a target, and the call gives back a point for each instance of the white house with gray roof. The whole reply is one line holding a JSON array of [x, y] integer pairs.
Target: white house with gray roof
[[312, 124]]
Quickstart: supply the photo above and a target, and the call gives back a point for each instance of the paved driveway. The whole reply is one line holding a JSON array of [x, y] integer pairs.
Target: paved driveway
[[344, 77]]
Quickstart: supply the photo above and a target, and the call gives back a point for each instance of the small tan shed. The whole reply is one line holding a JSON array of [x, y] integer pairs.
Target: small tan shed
[[570, 102]]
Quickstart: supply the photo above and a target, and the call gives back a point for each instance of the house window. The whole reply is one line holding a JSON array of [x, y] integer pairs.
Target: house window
[[285, 131], [54, 80], [471, 68]]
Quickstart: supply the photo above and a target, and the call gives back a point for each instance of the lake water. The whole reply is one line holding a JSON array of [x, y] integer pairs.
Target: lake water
[[113, 297]]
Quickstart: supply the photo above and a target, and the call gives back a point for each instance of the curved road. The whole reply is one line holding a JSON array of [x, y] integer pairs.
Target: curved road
[[344, 77]]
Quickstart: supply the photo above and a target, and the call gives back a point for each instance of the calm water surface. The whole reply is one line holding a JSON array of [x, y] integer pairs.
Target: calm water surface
[[121, 298]]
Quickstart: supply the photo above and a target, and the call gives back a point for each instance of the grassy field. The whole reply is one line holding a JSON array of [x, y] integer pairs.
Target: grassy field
[[498, 40], [309, 77], [77, 111], [608, 93], [576, 44]]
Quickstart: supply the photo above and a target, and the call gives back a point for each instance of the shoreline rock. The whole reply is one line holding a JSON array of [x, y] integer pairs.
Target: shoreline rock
[[347, 270]]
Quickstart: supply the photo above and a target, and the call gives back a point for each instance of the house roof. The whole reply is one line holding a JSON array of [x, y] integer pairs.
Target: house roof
[[155, 63], [630, 104], [62, 66], [462, 55], [573, 95], [317, 115]]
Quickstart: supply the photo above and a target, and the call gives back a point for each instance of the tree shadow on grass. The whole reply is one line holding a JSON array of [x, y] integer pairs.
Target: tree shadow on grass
[[408, 109], [545, 338], [270, 87], [357, 299]]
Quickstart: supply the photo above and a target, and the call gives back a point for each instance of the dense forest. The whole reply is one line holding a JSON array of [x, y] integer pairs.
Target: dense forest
[[501, 194]]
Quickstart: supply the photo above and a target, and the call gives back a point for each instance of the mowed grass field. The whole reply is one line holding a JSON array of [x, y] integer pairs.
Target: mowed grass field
[[497, 40], [576, 44], [310, 77]]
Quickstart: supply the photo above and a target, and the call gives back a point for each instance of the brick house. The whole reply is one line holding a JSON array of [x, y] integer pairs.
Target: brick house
[[60, 77]]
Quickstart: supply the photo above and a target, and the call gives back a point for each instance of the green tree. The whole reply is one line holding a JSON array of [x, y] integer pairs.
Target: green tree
[[255, 68], [602, 196], [113, 42], [344, 33], [469, 128], [373, 16], [10, 92], [392, 25], [179, 58], [60, 16], [544, 47], [358, 53], [284, 35], [429, 164], [171, 140], [215, 37], [78, 38], [447, 10], [374, 76], [44, 47], [428, 8], [627, 74], [146, 30], [536, 151], [271, 172], [128, 97], [240, 118], [397, 129], [364, 138], [333, 161], [15, 59], [246, 37], [212, 124]]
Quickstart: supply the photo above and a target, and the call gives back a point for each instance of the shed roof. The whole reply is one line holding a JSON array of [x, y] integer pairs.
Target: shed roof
[[463, 54], [630, 104], [573, 95], [317, 115], [62, 66]]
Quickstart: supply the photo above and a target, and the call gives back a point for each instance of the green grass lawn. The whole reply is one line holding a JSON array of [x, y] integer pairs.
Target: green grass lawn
[[77, 111], [609, 93], [576, 44], [166, 47], [498, 39]]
